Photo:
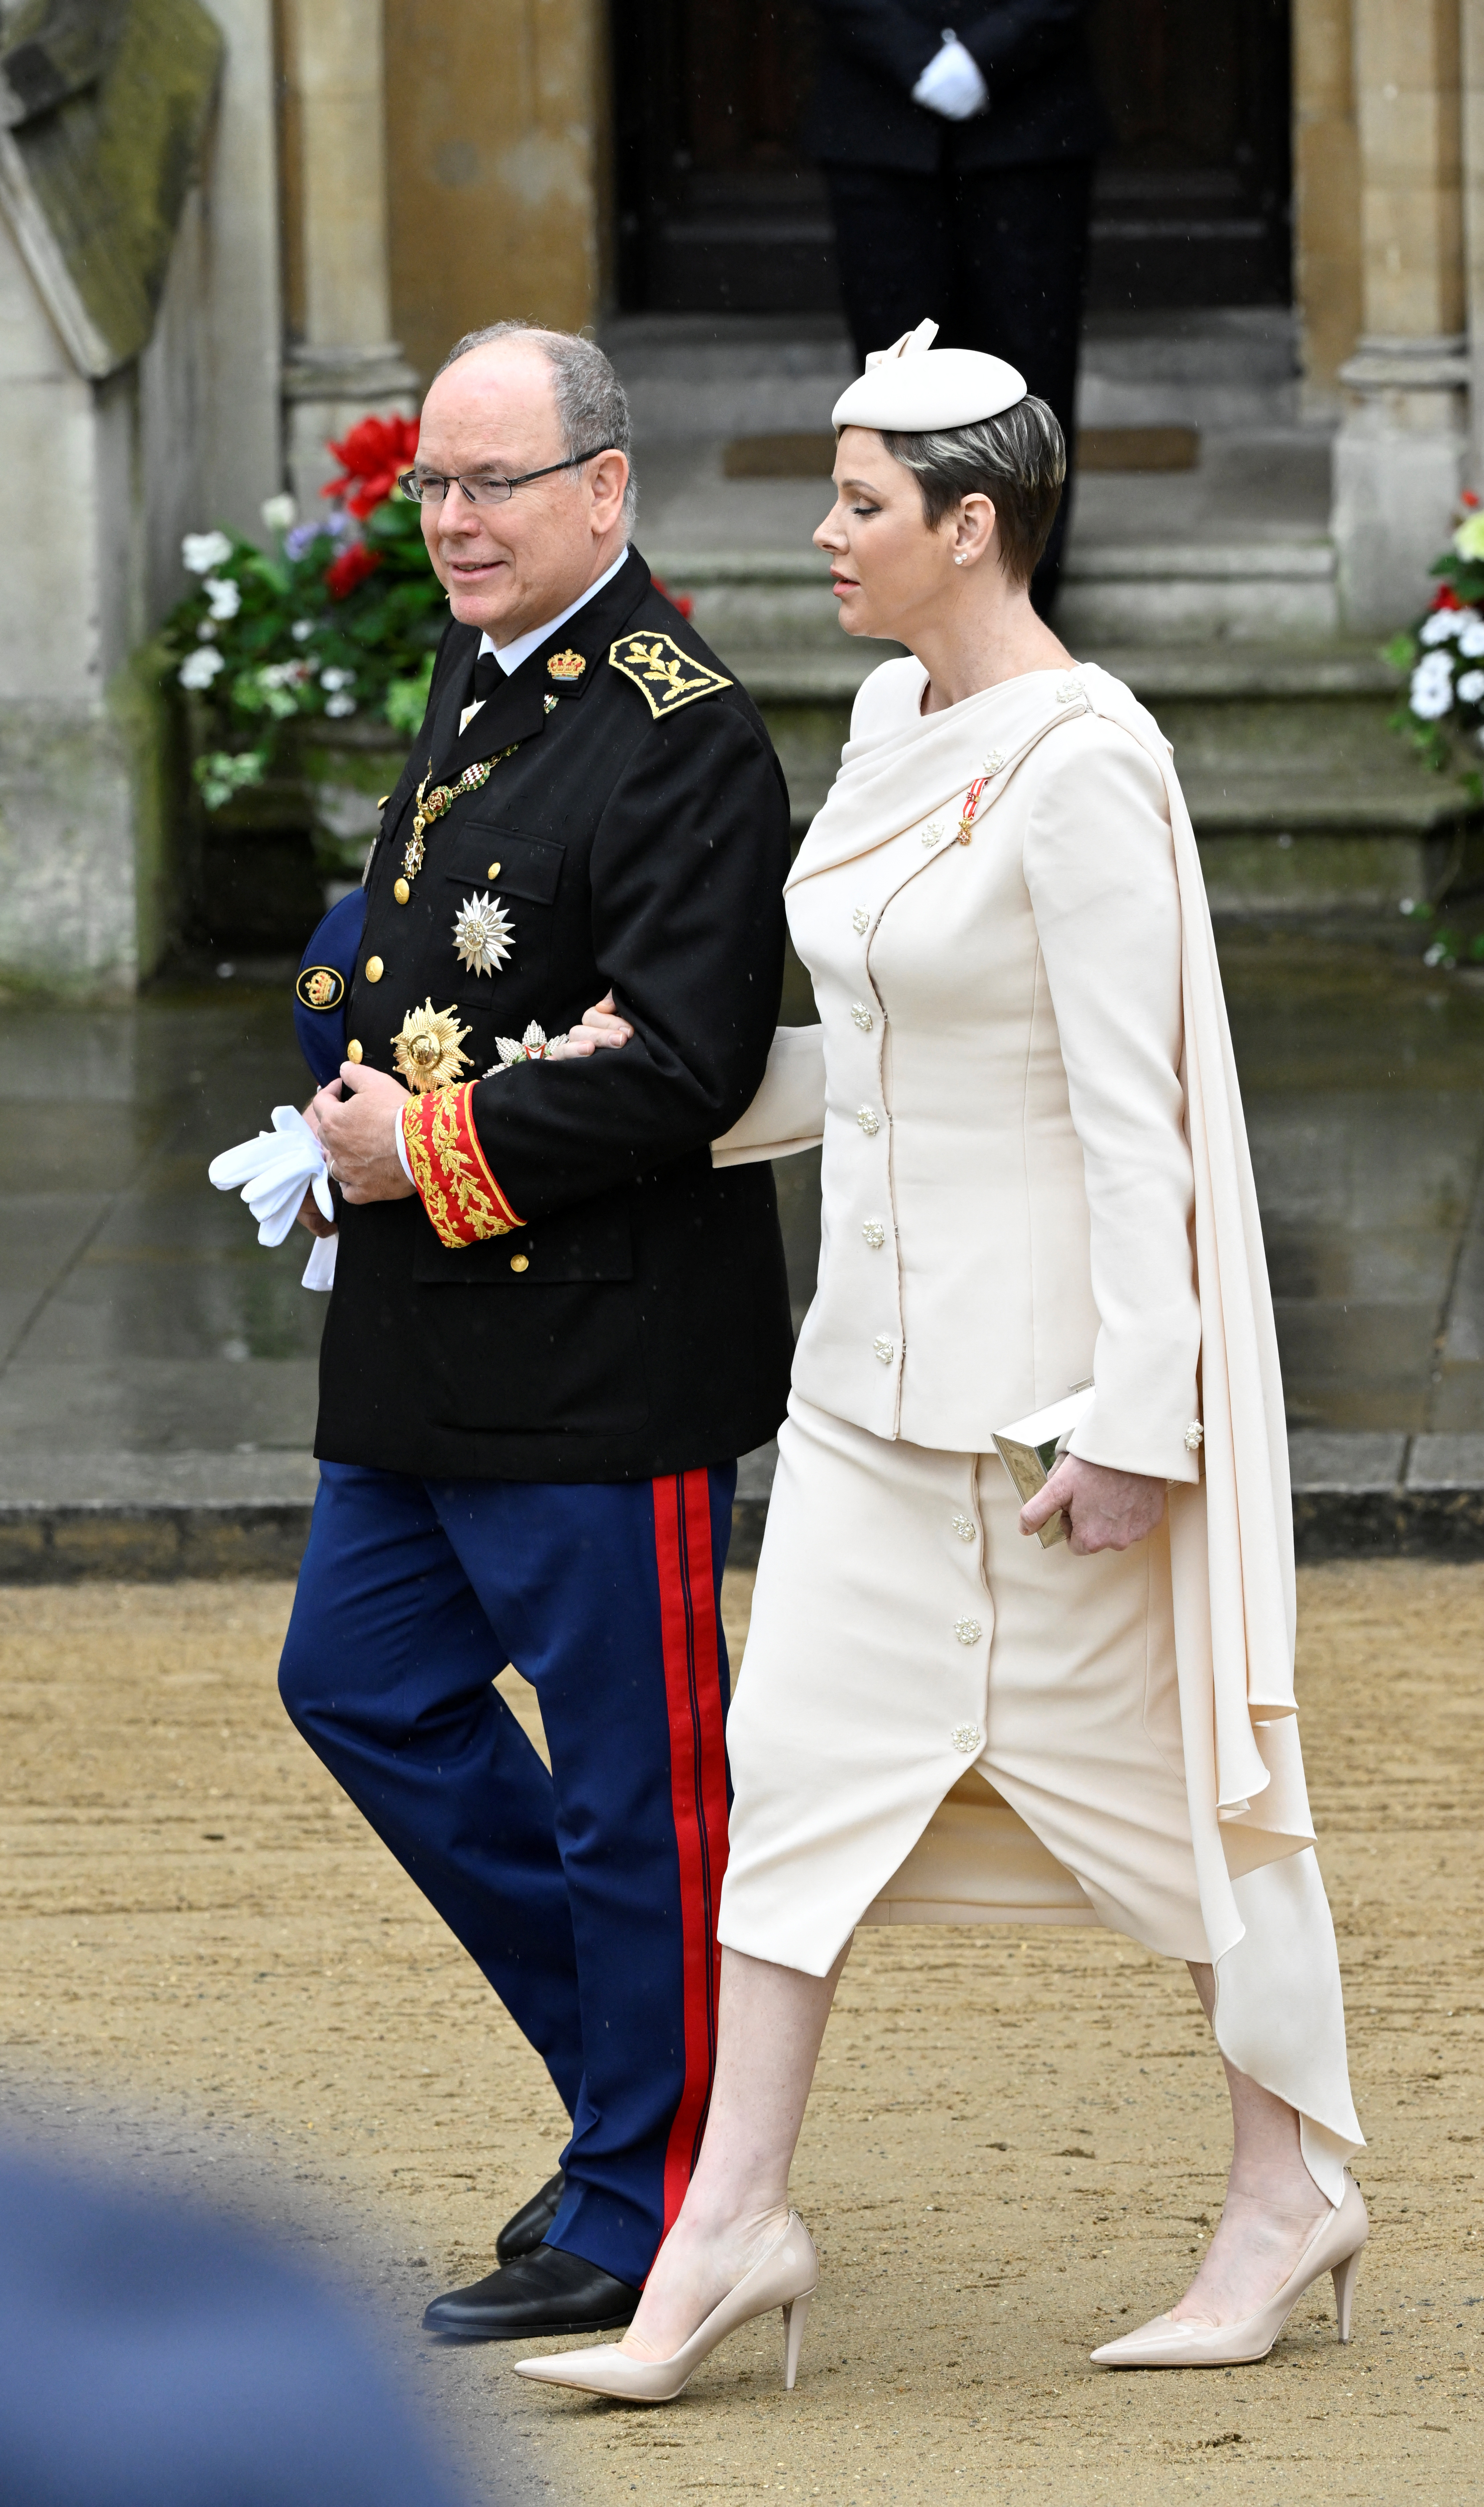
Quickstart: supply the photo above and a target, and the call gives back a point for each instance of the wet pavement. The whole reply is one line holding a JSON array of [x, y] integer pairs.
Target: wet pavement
[[148, 1344]]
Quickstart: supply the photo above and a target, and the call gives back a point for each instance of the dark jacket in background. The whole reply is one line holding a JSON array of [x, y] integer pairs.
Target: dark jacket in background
[[1032, 53]]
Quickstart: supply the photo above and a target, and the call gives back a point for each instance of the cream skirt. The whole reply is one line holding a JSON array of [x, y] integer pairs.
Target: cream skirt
[[939, 1721]]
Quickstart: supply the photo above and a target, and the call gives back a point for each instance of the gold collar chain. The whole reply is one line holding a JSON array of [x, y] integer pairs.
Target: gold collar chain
[[442, 798]]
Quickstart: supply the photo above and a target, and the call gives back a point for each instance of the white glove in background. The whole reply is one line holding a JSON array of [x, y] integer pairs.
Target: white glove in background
[[274, 1171], [952, 82]]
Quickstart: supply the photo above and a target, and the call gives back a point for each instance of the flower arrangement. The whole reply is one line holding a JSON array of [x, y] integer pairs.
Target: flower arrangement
[[334, 619], [1443, 718], [1443, 654]]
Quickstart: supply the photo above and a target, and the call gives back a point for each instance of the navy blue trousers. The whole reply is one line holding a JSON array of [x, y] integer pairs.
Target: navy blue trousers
[[587, 1897]]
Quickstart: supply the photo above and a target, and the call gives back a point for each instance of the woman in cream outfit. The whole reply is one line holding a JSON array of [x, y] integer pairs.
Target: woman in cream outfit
[[1034, 1176]]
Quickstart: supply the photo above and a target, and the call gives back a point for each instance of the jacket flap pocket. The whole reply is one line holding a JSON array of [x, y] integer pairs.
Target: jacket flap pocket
[[591, 1242], [487, 856]]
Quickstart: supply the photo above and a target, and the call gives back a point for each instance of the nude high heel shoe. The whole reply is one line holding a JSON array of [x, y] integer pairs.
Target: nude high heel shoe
[[1168, 2342], [786, 2276]]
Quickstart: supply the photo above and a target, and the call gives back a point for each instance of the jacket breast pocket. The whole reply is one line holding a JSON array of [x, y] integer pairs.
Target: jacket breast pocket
[[593, 1241], [520, 875]]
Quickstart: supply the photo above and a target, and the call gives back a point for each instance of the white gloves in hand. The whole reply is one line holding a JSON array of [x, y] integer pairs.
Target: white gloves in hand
[[273, 1172], [952, 82]]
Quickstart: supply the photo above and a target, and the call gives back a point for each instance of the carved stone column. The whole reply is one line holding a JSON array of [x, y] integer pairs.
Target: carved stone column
[[342, 361], [1471, 14], [1400, 452]]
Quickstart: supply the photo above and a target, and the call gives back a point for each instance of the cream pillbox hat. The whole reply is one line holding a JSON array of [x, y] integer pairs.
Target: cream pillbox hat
[[912, 386]]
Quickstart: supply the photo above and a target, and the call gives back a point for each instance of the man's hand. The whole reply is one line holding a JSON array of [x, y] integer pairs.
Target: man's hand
[[1104, 1509], [309, 1214], [357, 1132], [599, 1026]]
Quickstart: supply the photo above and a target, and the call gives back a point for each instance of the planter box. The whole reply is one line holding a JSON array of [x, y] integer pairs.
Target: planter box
[[267, 864]]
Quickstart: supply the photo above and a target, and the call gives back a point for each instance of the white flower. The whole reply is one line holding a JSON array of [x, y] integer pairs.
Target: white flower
[[1443, 623], [283, 675], [200, 669], [1432, 691], [1435, 956], [335, 679], [207, 631], [225, 596], [1470, 687], [340, 705], [1472, 634], [279, 513], [200, 551], [302, 630]]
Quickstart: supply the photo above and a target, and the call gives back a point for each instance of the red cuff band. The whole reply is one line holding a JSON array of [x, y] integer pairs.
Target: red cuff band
[[449, 1168]]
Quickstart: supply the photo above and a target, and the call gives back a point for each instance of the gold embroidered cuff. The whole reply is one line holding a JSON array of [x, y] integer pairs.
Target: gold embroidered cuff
[[453, 1181]]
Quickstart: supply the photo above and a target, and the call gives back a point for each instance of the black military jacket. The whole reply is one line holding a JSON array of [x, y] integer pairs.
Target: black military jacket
[[1034, 54], [635, 836]]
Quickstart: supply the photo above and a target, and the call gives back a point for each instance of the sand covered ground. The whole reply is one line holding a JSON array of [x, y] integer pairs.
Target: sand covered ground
[[1016, 2143]]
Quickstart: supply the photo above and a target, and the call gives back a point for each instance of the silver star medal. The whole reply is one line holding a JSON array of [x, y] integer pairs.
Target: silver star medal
[[533, 1048], [482, 932]]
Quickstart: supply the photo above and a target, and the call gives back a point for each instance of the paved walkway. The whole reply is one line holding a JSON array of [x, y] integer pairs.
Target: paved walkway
[[152, 1354], [1016, 2144]]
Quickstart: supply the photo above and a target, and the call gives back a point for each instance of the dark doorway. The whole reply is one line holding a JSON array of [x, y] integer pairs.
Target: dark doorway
[[717, 211]]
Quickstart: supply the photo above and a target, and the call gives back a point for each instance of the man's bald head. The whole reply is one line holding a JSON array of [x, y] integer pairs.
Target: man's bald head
[[591, 403], [506, 402]]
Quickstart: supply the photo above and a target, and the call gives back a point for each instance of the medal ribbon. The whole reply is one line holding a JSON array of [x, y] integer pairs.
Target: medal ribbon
[[966, 834]]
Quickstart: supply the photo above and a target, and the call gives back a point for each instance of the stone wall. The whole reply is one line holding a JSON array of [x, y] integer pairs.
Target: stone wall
[[497, 152], [112, 457]]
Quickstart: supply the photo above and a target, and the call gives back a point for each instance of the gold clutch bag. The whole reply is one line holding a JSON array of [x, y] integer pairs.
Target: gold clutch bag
[[1032, 1448]]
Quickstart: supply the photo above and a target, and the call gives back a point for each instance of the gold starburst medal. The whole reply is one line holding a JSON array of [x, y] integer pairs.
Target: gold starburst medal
[[482, 932], [426, 1050]]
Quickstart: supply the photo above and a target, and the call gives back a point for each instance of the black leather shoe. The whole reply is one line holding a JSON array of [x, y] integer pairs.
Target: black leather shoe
[[548, 2292], [526, 2229]]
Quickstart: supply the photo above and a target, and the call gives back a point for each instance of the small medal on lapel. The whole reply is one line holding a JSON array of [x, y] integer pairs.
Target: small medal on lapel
[[566, 667], [483, 934]]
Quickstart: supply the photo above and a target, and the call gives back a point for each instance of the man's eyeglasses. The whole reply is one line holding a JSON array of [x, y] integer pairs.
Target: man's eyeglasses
[[431, 487]]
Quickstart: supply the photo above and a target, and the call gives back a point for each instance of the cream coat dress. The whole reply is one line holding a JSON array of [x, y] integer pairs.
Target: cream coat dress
[[1035, 1174]]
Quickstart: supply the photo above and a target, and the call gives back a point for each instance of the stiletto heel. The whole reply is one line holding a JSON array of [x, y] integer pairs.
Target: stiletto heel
[[795, 2317], [1171, 2342], [787, 2276], [1344, 2278]]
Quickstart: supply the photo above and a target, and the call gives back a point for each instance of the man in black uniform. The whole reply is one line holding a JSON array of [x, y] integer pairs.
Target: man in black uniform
[[554, 1326], [959, 147]]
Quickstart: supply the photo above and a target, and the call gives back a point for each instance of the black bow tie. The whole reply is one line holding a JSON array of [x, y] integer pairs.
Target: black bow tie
[[488, 676]]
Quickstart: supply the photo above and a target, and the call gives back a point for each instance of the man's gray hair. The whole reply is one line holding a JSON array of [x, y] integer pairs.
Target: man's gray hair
[[592, 405]]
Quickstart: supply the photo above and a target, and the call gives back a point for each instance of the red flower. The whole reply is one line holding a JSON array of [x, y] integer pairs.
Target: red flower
[[1468, 498], [370, 457], [1445, 598], [680, 600], [350, 568]]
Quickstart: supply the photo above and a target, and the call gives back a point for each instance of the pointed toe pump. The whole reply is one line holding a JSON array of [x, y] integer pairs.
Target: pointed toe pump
[[1167, 2341], [786, 2276]]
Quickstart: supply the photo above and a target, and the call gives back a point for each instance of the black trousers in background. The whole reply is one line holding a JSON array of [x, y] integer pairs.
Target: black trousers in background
[[997, 258]]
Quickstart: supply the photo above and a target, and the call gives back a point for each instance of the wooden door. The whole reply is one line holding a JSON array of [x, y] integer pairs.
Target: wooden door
[[718, 212]]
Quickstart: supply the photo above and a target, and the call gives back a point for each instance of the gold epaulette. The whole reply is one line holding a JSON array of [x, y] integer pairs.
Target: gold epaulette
[[666, 678]]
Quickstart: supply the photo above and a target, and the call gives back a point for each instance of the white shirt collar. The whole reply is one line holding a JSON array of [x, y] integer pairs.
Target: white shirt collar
[[511, 656]]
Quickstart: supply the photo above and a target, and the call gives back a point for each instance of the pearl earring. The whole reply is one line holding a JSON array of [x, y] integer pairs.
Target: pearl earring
[[957, 561]]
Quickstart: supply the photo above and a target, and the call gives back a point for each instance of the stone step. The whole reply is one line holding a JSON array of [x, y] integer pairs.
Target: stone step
[[156, 1517], [1140, 594], [1219, 368], [1304, 799]]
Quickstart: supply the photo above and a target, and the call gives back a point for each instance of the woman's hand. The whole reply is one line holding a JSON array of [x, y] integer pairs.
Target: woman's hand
[[1104, 1509], [599, 1026]]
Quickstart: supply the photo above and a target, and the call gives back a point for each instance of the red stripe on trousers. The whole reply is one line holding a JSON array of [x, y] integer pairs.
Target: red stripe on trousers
[[697, 1781]]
